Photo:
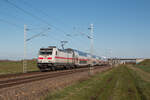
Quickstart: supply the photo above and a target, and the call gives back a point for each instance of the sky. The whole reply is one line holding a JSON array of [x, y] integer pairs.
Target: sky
[[121, 27]]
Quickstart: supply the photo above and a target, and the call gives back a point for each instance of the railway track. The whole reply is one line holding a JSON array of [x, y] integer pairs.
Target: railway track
[[26, 78]]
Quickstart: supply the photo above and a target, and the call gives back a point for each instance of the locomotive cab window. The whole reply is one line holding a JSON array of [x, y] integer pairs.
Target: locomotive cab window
[[45, 52]]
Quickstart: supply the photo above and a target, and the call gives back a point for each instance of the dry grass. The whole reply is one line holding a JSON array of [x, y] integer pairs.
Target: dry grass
[[120, 83], [10, 67]]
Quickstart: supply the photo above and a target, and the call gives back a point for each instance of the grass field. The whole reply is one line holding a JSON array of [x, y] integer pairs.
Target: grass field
[[145, 65], [9, 67], [121, 83]]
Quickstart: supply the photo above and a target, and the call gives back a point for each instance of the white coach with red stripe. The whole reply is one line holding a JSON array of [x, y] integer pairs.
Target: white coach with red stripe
[[53, 58]]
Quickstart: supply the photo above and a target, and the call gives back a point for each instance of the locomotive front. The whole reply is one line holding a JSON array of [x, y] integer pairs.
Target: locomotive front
[[45, 58]]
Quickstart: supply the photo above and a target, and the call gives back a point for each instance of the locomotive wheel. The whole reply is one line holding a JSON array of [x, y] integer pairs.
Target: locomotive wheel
[[42, 70], [65, 67], [53, 68]]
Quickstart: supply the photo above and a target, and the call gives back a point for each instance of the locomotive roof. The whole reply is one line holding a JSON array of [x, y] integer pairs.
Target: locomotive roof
[[81, 53], [71, 50], [51, 46], [45, 49]]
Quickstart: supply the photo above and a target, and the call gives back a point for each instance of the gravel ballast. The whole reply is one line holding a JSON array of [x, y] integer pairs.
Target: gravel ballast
[[39, 89]]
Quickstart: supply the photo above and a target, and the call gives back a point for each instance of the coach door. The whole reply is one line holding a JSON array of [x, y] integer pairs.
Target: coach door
[[73, 58], [67, 57]]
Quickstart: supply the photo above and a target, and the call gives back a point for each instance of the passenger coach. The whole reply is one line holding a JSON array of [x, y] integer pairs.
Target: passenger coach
[[52, 58]]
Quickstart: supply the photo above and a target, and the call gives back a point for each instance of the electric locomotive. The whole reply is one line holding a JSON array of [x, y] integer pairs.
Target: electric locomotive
[[52, 58]]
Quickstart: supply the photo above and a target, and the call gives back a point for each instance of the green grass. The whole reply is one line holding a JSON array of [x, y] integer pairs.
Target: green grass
[[144, 65], [142, 83], [10, 67], [119, 83]]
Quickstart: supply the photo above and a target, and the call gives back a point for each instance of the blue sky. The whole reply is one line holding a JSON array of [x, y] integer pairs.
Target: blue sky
[[121, 27]]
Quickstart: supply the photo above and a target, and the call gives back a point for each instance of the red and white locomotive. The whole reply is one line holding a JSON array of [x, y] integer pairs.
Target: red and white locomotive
[[52, 58]]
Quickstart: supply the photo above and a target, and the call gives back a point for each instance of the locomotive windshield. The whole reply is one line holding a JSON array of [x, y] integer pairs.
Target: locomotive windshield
[[45, 52]]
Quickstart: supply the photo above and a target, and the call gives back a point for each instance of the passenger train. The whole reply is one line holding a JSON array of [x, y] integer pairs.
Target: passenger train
[[52, 58]]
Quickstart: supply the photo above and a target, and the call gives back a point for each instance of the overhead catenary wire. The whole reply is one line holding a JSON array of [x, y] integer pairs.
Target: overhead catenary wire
[[17, 25], [34, 16], [45, 14], [81, 34], [34, 36], [28, 13], [41, 11], [11, 23], [28, 29]]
